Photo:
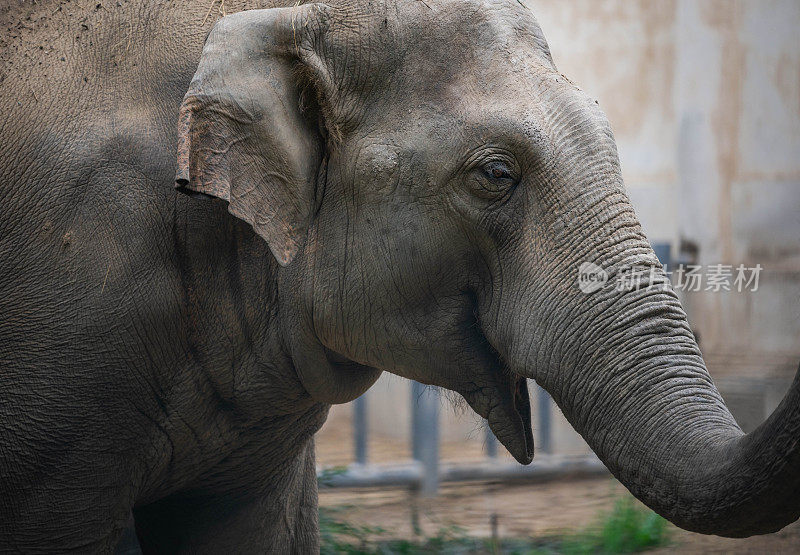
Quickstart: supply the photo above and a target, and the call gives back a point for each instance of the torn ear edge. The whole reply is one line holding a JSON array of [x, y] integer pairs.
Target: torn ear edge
[[184, 147]]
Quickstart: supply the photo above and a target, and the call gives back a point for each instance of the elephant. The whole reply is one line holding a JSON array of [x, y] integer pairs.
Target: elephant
[[404, 186]]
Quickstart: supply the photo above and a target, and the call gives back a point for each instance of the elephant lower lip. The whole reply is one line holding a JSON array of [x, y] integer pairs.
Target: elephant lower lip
[[522, 406], [522, 403], [507, 411]]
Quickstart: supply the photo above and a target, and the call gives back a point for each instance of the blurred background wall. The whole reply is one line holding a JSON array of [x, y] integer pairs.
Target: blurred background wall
[[704, 100]]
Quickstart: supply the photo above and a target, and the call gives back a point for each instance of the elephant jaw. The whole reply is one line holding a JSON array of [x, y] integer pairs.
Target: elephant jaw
[[506, 407]]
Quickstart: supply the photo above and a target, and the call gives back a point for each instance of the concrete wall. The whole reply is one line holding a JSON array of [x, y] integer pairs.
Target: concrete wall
[[624, 54], [704, 99], [739, 162]]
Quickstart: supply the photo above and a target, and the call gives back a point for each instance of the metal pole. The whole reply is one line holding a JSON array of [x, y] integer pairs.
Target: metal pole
[[417, 389], [545, 422], [663, 252], [491, 443], [360, 429], [425, 436], [547, 467]]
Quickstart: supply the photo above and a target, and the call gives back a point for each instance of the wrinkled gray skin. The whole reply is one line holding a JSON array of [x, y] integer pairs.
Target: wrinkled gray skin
[[423, 185]]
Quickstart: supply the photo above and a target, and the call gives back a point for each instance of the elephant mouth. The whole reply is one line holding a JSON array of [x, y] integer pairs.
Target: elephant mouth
[[507, 408], [504, 403]]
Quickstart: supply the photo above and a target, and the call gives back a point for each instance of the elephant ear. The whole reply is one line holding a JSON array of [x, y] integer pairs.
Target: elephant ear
[[242, 135]]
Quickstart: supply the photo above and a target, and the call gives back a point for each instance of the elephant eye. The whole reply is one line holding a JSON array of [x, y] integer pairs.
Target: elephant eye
[[494, 178], [497, 170]]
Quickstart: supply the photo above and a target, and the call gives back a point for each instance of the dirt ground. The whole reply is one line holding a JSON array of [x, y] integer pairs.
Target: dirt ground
[[522, 509]]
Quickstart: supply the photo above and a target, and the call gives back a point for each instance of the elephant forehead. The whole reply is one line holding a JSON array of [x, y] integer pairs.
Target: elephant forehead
[[472, 31], [426, 43], [504, 18]]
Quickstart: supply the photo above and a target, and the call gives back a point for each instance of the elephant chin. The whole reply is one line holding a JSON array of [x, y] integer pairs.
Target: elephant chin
[[507, 409]]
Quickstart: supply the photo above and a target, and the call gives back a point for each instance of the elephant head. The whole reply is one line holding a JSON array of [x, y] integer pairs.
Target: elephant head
[[429, 184]]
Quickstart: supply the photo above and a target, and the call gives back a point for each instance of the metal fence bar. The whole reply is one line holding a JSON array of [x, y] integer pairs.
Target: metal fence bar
[[360, 429], [491, 442], [425, 436], [545, 422], [412, 474], [417, 390], [663, 252]]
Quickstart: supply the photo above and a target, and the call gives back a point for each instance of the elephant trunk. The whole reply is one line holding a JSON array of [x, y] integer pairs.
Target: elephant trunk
[[639, 393]]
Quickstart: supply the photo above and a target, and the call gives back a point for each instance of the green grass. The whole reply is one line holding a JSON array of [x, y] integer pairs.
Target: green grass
[[339, 536], [627, 528]]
